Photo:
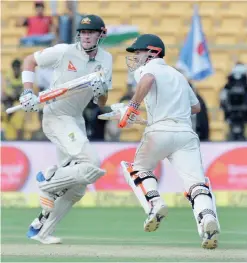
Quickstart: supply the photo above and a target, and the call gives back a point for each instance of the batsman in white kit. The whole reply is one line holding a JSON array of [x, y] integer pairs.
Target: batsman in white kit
[[62, 185], [169, 102]]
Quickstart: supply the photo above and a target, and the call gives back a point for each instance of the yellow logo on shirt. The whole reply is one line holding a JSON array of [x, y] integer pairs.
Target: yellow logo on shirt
[[72, 136], [86, 20]]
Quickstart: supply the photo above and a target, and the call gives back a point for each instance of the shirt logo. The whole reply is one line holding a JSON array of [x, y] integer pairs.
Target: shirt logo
[[72, 136], [97, 68], [86, 20], [71, 67]]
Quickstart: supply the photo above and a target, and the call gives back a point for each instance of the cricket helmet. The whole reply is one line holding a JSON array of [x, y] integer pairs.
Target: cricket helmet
[[148, 42], [92, 22]]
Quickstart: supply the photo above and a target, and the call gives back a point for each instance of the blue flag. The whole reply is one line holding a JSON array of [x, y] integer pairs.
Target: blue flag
[[194, 58]]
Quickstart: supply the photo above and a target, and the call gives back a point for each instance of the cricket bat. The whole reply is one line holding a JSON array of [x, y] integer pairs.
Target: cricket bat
[[66, 89], [116, 114]]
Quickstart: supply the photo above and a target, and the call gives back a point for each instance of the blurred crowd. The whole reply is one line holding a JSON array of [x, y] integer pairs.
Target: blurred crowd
[[45, 31]]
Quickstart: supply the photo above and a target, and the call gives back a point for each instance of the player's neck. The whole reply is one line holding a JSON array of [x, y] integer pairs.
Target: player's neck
[[92, 54]]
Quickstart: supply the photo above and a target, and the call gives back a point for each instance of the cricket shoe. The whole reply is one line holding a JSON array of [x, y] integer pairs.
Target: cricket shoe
[[210, 232], [33, 233], [37, 224], [157, 213], [49, 240]]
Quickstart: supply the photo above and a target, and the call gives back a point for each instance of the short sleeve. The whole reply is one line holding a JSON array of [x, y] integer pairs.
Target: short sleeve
[[143, 70], [192, 97], [49, 57]]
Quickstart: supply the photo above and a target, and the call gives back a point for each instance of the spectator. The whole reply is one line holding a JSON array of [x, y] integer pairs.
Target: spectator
[[40, 29], [13, 85], [95, 127], [200, 121], [3, 114], [233, 101], [99, 130], [66, 32]]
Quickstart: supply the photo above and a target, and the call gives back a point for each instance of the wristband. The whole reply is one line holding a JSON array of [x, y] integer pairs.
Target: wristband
[[134, 104], [27, 76]]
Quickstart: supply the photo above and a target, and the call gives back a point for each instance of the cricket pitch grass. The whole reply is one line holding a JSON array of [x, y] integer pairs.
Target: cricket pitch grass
[[116, 235]]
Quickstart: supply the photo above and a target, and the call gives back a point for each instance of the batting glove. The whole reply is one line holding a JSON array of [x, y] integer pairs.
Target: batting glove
[[29, 101], [130, 115]]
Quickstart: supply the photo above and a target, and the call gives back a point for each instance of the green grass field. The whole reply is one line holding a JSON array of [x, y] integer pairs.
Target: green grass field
[[116, 235]]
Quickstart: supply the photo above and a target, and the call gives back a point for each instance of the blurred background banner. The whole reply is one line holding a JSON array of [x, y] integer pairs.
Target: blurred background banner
[[119, 34], [224, 164]]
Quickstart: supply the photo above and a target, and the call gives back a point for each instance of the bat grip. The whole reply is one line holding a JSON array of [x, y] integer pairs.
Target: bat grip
[[13, 109]]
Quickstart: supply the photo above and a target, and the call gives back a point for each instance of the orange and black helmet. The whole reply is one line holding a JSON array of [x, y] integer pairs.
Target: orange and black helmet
[[148, 42]]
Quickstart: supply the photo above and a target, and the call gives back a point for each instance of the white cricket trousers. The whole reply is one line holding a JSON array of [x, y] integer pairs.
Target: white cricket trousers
[[182, 148], [69, 136]]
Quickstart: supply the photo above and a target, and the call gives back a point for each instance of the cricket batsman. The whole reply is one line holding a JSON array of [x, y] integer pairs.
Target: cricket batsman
[[169, 102], [62, 185]]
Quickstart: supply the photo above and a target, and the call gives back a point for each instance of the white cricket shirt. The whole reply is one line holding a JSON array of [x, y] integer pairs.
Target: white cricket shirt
[[170, 99], [70, 62]]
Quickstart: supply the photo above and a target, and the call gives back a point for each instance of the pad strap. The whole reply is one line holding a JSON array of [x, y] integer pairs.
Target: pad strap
[[205, 212], [142, 176], [152, 194], [203, 190], [195, 185]]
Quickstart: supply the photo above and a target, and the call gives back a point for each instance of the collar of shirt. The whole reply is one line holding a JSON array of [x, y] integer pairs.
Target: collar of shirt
[[139, 70], [99, 55], [160, 61]]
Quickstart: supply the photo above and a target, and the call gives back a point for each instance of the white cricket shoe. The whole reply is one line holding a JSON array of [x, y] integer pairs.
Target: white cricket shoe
[[157, 213], [210, 232], [47, 240]]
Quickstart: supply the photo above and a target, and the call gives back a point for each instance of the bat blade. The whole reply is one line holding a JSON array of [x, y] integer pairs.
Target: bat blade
[[52, 94]]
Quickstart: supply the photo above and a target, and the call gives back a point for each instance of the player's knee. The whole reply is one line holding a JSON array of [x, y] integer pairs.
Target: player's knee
[[88, 173], [95, 161]]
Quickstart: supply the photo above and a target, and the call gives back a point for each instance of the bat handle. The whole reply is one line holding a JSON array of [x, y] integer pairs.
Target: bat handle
[[13, 109]]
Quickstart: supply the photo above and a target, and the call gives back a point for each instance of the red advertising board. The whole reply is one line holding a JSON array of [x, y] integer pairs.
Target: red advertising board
[[114, 179], [229, 170], [14, 168]]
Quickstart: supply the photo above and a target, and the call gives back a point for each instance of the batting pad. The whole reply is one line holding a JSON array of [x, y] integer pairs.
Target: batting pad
[[63, 204], [71, 175], [127, 168]]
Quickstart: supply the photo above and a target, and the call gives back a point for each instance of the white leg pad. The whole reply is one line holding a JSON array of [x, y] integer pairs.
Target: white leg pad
[[63, 205], [203, 204], [71, 175], [213, 200], [137, 191]]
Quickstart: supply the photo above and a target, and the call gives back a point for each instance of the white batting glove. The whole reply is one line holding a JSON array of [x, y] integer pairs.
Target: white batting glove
[[99, 88], [29, 101]]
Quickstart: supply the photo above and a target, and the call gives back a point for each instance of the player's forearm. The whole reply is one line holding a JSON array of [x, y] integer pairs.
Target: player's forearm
[[29, 65]]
